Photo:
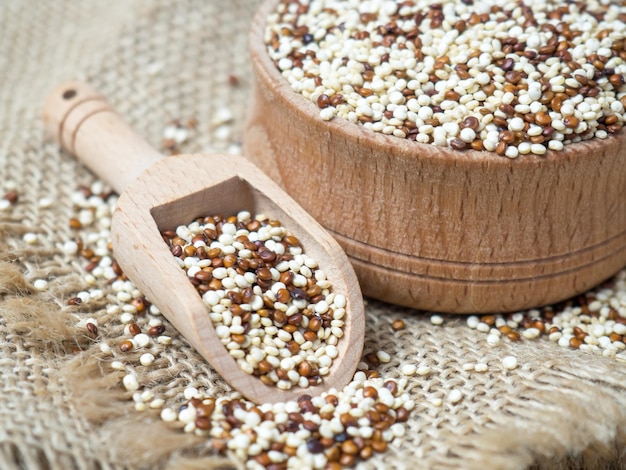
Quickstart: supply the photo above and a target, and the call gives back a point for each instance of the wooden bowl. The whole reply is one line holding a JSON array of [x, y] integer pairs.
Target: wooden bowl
[[437, 229]]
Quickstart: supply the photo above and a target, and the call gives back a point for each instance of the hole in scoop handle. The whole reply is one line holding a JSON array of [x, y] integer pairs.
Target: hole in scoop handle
[[84, 124]]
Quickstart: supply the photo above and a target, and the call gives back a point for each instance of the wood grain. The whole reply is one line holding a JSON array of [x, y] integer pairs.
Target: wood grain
[[437, 229], [167, 192]]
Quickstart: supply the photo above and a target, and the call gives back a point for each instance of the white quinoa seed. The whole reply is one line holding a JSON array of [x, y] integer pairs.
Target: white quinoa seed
[[130, 382], [157, 403], [142, 340], [455, 396], [383, 356], [509, 362], [40, 284], [409, 369], [30, 238], [165, 340], [493, 340], [70, 247], [45, 202], [168, 415], [127, 317]]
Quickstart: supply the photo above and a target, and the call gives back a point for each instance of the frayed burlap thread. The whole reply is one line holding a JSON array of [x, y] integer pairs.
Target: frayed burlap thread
[[62, 405]]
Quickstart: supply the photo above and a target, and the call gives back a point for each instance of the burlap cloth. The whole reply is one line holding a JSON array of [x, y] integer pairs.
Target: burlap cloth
[[61, 408]]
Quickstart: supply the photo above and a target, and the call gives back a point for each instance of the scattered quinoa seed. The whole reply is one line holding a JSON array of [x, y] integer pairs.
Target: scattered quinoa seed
[[455, 396], [176, 133], [509, 362], [142, 340], [45, 202], [130, 382], [591, 322], [91, 328], [383, 356], [30, 238], [436, 319], [74, 223], [397, 325], [436, 402], [168, 415], [40, 284], [146, 359], [157, 403]]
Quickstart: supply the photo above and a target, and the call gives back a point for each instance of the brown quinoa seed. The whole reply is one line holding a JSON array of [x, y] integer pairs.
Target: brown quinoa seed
[[156, 330], [575, 342], [75, 223], [134, 329], [92, 328], [74, 301], [12, 197]]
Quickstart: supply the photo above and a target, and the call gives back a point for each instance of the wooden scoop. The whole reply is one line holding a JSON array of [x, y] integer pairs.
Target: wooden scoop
[[158, 193]]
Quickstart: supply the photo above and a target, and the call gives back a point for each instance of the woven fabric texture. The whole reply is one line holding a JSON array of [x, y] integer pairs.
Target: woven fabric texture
[[61, 404]]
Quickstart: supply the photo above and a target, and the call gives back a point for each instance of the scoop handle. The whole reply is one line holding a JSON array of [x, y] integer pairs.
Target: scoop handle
[[85, 125]]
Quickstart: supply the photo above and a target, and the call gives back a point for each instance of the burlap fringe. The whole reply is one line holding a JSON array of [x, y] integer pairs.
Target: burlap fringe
[[41, 321], [93, 388], [139, 441], [547, 449], [13, 281]]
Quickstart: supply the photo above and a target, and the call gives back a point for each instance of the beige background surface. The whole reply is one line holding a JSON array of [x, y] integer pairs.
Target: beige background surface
[[161, 60]]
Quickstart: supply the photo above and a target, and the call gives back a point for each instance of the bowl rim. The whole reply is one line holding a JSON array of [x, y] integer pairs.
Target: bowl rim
[[268, 73]]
